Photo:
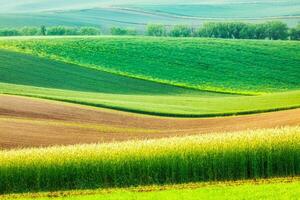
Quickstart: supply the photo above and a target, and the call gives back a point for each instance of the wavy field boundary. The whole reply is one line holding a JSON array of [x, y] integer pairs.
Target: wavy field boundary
[[44, 78], [166, 105], [66, 124]]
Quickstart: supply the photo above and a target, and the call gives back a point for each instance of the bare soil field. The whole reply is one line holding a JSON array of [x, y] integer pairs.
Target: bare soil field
[[27, 122]]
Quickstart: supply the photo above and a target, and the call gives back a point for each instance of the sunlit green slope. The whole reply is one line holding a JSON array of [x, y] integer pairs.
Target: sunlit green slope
[[232, 66], [21, 69], [163, 64]]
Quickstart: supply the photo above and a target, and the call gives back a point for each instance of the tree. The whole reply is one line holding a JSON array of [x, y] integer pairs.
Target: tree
[[131, 31], [27, 31], [61, 30], [89, 31], [117, 31], [156, 30], [181, 31], [214, 29], [9, 32], [276, 30], [248, 32], [122, 31], [294, 33], [43, 30], [260, 31], [238, 30]]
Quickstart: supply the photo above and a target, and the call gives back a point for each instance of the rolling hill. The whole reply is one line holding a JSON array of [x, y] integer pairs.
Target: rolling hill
[[137, 14], [158, 76], [229, 66], [141, 117]]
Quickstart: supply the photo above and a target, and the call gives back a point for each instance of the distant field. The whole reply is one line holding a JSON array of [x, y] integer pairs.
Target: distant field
[[137, 15], [283, 188], [245, 10]]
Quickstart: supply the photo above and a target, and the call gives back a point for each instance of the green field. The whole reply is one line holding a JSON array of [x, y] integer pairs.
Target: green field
[[241, 66], [109, 154], [39, 72], [187, 78], [165, 105], [214, 157], [284, 188]]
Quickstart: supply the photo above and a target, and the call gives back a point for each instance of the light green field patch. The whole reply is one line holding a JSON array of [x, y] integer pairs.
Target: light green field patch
[[268, 191], [165, 105], [280, 188]]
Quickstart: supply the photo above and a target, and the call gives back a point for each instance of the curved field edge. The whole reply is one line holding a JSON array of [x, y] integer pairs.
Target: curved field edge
[[265, 153], [129, 75], [17, 68], [255, 65], [119, 108], [161, 105], [288, 186], [69, 124]]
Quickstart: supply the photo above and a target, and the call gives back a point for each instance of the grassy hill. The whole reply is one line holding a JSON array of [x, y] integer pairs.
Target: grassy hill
[[39, 72], [14, 6], [100, 17], [137, 14], [160, 66], [245, 10], [230, 66]]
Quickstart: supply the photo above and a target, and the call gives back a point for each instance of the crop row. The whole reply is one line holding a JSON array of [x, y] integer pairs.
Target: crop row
[[228, 156]]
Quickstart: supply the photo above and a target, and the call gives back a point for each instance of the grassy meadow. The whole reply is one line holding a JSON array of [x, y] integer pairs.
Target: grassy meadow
[[215, 157]]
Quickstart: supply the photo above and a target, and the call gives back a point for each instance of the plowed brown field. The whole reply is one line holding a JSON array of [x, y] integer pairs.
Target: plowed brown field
[[28, 122]]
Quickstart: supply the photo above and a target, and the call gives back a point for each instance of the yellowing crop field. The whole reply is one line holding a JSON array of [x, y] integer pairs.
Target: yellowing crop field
[[229, 156]]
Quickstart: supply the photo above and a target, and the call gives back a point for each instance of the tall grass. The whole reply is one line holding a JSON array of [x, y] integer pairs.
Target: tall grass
[[228, 156]]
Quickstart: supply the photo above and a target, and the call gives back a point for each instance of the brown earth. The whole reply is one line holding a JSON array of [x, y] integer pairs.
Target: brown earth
[[28, 122]]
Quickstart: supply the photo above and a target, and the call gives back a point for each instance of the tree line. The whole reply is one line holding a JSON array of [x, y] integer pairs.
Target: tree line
[[54, 30], [273, 30]]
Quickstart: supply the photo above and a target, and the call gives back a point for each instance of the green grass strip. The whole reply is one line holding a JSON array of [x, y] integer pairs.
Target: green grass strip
[[165, 105], [282, 188]]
